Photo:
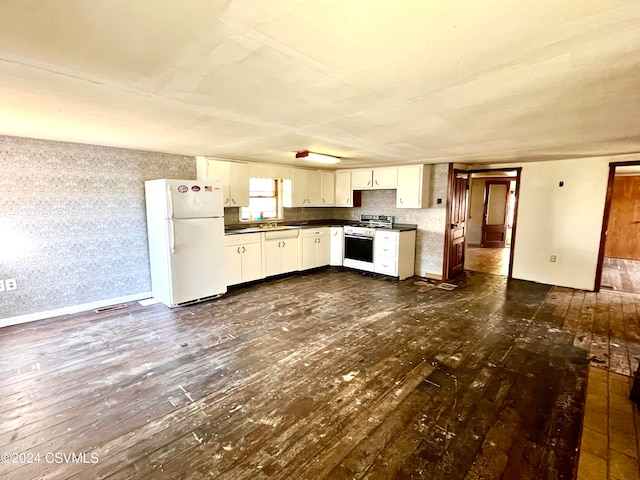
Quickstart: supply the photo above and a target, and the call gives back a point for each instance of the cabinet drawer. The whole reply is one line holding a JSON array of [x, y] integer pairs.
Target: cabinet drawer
[[315, 232], [386, 249], [241, 239], [386, 266], [387, 236]]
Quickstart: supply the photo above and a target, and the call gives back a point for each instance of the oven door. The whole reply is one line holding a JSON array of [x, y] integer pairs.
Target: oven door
[[358, 248]]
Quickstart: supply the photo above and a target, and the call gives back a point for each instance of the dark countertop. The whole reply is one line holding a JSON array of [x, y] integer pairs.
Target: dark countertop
[[253, 228]]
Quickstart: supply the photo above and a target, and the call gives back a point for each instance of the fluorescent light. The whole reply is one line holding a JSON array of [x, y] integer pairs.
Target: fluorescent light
[[317, 157]]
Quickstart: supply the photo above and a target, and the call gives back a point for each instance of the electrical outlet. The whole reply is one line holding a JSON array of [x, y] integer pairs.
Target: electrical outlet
[[1, 285], [408, 217], [11, 284], [552, 259]]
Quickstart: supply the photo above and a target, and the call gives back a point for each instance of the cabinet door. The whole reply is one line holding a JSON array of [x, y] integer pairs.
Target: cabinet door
[[289, 255], [361, 179], [344, 194], [337, 245], [252, 262], [314, 188], [233, 255], [385, 178], [238, 184], [309, 253], [409, 193], [219, 170], [328, 181], [299, 188], [324, 250], [273, 257]]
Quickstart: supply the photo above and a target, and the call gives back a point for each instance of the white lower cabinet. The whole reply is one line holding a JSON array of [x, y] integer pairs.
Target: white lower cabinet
[[316, 247], [244, 258], [394, 253], [337, 246], [280, 252]]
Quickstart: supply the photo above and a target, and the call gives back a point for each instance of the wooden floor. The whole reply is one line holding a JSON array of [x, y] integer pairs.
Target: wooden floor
[[332, 374], [621, 275], [488, 260]]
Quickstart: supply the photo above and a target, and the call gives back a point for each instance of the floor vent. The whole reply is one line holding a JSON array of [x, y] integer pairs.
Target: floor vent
[[446, 286], [111, 307]]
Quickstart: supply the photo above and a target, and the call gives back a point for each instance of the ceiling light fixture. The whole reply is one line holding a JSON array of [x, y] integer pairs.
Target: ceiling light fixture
[[317, 157]]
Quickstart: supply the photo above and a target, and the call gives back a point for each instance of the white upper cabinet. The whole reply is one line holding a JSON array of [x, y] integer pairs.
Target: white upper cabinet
[[233, 175], [374, 178], [413, 186], [307, 188], [344, 192], [328, 183], [361, 179], [385, 177]]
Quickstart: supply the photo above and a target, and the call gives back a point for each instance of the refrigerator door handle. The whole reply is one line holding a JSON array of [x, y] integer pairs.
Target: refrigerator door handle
[[173, 236], [170, 195]]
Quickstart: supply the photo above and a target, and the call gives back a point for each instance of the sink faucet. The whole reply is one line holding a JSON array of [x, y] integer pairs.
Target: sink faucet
[[273, 223]]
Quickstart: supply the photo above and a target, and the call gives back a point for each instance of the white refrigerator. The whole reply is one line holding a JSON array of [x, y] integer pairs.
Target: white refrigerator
[[185, 223]]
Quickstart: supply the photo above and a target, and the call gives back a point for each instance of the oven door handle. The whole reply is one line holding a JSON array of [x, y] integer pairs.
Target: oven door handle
[[359, 237]]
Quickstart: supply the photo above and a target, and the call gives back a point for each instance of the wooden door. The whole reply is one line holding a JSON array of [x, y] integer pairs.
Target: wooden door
[[457, 222], [623, 231], [495, 218]]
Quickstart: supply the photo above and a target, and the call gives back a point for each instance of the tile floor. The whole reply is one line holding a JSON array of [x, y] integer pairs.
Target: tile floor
[[621, 275], [611, 429]]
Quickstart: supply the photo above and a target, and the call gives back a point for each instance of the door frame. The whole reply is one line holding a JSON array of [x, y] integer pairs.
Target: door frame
[[449, 206], [518, 171], [485, 213], [605, 218]]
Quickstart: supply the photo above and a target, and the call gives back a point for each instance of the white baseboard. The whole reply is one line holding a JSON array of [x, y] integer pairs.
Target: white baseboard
[[31, 317]]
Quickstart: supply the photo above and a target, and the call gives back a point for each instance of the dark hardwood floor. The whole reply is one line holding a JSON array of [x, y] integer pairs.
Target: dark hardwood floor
[[331, 374]]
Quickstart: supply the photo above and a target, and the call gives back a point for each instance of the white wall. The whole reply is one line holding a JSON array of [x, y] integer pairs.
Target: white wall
[[476, 210], [563, 221]]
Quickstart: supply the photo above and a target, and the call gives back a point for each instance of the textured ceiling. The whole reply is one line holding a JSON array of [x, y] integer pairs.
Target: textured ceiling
[[373, 81]]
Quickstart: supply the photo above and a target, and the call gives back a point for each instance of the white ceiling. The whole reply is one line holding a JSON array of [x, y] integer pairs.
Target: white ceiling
[[373, 81]]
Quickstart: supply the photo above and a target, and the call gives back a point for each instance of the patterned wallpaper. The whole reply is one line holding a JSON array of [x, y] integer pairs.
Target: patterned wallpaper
[[73, 224]]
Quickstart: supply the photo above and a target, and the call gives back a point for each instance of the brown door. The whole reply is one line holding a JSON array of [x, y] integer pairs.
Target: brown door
[[457, 219], [496, 209], [623, 232]]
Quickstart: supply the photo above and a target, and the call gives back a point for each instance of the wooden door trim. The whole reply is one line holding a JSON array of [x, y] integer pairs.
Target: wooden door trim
[[515, 222], [518, 171], [447, 217], [605, 218]]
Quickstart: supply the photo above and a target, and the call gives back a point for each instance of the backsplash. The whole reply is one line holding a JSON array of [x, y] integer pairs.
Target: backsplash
[[73, 221], [301, 214]]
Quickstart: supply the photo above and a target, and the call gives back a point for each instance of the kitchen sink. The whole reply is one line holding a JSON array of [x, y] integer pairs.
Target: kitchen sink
[[276, 227]]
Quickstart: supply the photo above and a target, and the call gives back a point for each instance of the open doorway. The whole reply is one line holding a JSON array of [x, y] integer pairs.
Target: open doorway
[[619, 261], [491, 221]]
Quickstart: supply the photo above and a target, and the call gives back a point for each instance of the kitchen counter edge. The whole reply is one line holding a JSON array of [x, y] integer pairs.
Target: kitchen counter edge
[[239, 229]]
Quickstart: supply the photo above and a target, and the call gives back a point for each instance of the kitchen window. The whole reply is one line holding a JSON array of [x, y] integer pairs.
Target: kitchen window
[[265, 201]]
